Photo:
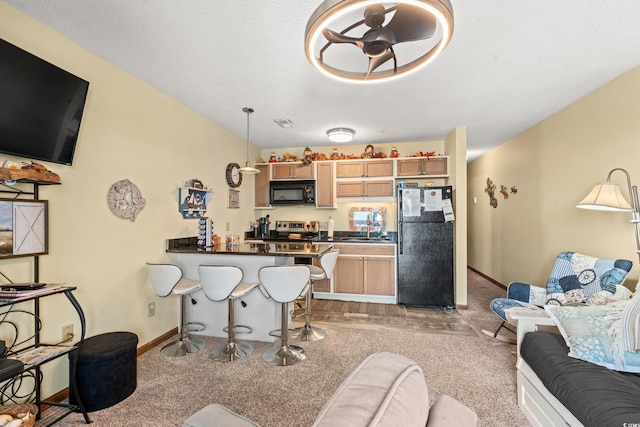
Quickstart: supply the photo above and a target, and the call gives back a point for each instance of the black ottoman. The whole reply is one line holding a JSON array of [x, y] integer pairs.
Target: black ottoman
[[106, 370]]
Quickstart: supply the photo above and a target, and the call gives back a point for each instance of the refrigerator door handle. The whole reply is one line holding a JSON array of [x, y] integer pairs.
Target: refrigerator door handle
[[400, 220]]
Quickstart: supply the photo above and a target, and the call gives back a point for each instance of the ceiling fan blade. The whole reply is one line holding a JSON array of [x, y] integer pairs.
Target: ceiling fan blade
[[335, 37], [409, 23], [376, 61]]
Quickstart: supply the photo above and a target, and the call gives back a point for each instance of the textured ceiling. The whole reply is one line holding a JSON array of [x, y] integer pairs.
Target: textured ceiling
[[510, 64]]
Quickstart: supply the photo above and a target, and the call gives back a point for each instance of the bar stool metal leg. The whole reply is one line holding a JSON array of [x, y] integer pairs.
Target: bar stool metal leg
[[232, 349], [308, 332], [185, 344], [284, 354]]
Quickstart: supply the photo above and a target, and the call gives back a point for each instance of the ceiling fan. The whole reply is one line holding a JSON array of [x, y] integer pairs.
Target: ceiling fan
[[406, 21]]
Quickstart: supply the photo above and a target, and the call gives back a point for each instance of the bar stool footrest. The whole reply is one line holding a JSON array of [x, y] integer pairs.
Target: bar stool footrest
[[238, 329], [194, 327]]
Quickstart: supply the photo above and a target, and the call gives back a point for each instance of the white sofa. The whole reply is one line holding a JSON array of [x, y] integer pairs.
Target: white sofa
[[540, 407], [385, 390], [556, 389]]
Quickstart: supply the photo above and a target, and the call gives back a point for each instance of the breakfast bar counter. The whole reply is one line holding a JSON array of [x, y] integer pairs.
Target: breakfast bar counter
[[258, 312]]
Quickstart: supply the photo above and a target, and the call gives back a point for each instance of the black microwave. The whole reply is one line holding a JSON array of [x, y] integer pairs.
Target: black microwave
[[292, 192]]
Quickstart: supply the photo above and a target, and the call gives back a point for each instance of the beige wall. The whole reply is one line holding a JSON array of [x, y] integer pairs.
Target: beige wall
[[554, 165], [132, 131]]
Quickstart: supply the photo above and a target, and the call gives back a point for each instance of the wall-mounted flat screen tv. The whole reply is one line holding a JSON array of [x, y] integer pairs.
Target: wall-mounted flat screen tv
[[41, 107]]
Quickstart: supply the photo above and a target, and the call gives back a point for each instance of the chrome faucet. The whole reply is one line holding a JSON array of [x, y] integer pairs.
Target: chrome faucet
[[368, 227]]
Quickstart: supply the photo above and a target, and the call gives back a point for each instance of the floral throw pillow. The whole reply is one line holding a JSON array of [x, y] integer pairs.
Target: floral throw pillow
[[589, 335]]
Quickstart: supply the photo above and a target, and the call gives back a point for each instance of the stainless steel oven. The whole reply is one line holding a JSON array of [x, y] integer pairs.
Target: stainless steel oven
[[292, 192]]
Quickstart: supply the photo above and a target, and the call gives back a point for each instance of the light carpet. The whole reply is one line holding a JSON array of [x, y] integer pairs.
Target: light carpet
[[475, 369]]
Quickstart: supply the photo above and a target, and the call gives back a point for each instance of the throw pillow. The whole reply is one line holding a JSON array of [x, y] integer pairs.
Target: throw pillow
[[579, 278], [625, 330], [588, 333]]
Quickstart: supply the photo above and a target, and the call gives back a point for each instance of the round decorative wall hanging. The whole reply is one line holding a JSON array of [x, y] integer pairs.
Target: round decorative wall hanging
[[125, 200]]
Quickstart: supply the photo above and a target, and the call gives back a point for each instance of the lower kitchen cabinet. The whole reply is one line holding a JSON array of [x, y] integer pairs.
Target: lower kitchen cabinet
[[365, 269]]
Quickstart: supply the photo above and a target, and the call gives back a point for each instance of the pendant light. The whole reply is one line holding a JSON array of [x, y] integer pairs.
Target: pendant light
[[248, 169]]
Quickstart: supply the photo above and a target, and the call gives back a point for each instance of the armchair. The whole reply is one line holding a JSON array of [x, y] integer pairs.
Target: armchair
[[575, 279]]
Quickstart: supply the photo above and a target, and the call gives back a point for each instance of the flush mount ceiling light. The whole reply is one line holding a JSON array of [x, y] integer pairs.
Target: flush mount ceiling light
[[340, 134], [248, 169], [419, 29]]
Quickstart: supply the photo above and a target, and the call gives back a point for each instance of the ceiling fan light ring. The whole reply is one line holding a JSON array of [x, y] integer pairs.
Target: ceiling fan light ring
[[379, 76], [332, 10]]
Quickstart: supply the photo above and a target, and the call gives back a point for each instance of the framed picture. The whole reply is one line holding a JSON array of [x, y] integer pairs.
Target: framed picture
[[233, 199], [23, 228]]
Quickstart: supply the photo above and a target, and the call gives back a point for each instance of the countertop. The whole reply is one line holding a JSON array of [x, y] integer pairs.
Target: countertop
[[342, 237], [287, 249]]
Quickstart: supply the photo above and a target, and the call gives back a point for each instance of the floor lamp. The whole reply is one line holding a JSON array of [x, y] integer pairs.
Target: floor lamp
[[608, 197]]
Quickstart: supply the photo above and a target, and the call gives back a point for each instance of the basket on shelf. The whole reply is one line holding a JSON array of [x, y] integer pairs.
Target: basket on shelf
[[25, 411]]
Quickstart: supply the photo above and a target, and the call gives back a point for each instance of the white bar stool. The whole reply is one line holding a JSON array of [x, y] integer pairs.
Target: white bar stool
[[328, 264], [221, 283], [167, 279], [284, 284]]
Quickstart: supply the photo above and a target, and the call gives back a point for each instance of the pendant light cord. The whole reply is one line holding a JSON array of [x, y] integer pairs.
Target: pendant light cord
[[248, 169], [248, 110]]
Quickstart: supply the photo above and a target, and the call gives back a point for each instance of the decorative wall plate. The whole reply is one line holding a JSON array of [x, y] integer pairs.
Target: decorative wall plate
[[125, 200]]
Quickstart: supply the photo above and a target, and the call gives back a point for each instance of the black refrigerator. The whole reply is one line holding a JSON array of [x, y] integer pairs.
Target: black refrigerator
[[425, 247]]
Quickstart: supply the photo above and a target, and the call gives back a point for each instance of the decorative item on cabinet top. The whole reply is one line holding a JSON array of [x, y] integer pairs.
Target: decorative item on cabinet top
[[369, 152], [193, 199]]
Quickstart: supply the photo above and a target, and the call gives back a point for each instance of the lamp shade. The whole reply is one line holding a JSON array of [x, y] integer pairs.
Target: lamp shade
[[248, 169], [605, 197]]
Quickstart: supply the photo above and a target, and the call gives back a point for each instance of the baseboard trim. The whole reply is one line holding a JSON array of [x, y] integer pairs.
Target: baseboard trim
[[462, 306], [495, 282], [64, 393], [151, 344]]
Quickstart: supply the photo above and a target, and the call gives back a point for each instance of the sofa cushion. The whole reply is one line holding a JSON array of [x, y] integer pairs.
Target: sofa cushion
[[386, 389], [595, 395], [217, 416], [447, 411]]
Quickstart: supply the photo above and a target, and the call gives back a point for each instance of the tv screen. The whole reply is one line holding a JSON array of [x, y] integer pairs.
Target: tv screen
[[41, 107]]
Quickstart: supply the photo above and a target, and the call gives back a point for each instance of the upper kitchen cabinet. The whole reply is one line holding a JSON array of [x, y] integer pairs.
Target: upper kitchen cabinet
[[364, 168], [365, 188], [423, 167], [325, 185], [292, 170], [262, 187]]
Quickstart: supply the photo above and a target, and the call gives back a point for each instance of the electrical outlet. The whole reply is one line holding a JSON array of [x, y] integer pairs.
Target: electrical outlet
[[228, 226], [67, 332], [151, 310]]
